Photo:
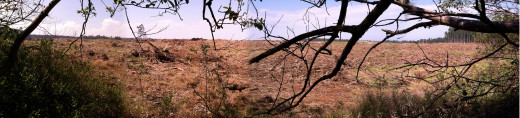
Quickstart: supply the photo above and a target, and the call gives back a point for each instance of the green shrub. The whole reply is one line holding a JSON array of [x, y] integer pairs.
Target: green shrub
[[45, 84], [380, 104], [403, 104], [166, 107]]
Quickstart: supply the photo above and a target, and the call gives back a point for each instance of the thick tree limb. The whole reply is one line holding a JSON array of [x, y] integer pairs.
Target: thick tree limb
[[13, 54], [334, 35], [459, 23], [484, 18], [301, 37], [357, 32], [356, 35]]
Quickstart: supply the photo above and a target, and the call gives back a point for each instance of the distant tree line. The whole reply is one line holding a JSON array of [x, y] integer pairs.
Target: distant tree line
[[98, 37], [450, 36], [84, 37], [325, 39]]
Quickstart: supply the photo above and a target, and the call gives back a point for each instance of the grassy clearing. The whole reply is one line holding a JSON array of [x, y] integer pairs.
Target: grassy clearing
[[165, 89], [45, 84]]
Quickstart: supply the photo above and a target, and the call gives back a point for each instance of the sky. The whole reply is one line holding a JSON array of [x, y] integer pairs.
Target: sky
[[64, 20]]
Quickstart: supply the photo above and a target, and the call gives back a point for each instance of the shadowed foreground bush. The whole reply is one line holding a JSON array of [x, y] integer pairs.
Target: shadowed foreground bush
[[403, 104], [379, 104], [44, 84]]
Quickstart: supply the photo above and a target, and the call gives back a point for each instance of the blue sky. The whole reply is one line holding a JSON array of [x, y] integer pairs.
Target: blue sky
[[64, 20]]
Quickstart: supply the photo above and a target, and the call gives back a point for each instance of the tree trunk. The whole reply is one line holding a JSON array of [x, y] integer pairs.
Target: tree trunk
[[13, 54]]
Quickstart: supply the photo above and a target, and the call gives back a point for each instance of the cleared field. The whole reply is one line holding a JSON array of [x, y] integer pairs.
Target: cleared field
[[164, 85]]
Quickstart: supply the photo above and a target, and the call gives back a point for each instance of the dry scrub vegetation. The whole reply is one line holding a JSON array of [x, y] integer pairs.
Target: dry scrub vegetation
[[190, 75]]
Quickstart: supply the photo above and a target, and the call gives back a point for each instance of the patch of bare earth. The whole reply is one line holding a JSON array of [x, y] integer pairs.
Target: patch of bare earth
[[148, 79]]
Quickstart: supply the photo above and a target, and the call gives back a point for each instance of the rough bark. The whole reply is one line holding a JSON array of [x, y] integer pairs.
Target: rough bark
[[13, 54], [460, 23], [302, 37]]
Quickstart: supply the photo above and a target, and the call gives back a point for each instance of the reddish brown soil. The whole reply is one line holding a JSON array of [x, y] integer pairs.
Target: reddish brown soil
[[147, 80]]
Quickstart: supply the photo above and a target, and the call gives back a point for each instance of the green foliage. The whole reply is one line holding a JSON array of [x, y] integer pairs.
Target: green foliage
[[502, 10], [459, 5], [491, 40], [493, 92], [152, 3], [117, 38], [8, 33], [45, 84], [204, 48], [450, 36], [166, 105], [500, 98], [88, 10], [380, 104], [257, 23], [494, 7], [192, 49]]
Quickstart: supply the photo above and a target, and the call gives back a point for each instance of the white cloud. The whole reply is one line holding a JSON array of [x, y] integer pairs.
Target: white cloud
[[110, 27], [187, 30], [194, 26], [58, 28], [175, 29]]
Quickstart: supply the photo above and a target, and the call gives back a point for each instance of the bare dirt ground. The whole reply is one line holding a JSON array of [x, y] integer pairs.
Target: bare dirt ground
[[149, 79]]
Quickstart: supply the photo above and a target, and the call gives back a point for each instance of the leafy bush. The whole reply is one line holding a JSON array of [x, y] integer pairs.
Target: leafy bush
[[380, 104], [403, 104], [43, 83], [166, 106]]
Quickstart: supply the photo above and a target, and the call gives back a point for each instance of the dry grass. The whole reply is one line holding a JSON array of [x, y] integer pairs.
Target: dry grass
[[165, 89]]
